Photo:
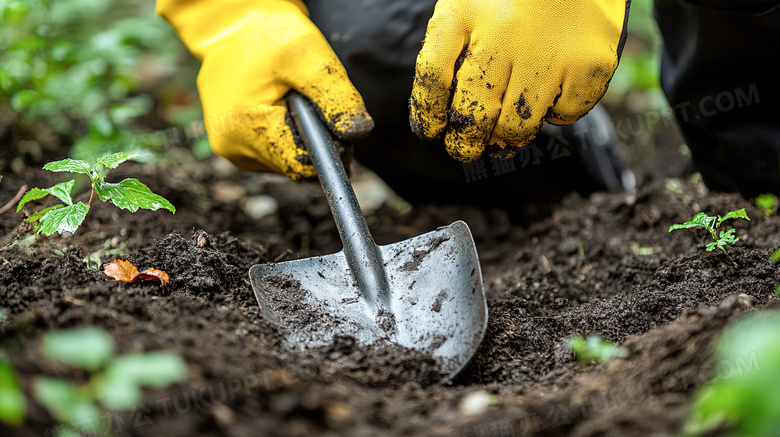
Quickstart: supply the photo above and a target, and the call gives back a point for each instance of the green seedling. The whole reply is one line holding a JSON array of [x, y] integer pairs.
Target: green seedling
[[720, 240], [767, 203], [594, 349], [742, 398], [115, 381], [129, 194], [12, 402], [639, 250], [95, 259]]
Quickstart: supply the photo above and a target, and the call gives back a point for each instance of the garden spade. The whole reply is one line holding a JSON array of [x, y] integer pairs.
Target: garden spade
[[424, 293]]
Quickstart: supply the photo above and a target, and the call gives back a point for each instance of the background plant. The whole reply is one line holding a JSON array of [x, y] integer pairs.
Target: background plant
[[711, 224], [115, 382], [767, 203], [744, 403], [128, 194], [87, 68], [594, 349], [12, 401]]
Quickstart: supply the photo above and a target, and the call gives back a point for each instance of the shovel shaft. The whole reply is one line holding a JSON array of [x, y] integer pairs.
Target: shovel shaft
[[360, 249]]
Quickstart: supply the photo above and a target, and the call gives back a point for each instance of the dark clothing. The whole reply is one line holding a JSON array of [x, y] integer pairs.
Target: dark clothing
[[706, 52], [378, 42], [718, 69]]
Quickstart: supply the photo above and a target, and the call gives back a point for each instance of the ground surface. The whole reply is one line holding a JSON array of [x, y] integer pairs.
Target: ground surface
[[575, 272]]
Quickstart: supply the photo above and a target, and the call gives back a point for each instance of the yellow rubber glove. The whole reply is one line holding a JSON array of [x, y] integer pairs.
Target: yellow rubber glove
[[490, 73], [253, 53]]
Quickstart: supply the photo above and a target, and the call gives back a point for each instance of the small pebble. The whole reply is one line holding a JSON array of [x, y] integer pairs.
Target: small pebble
[[260, 206], [227, 192], [476, 403]]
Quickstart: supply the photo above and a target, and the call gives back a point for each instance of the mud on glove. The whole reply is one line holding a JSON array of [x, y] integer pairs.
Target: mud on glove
[[253, 53], [490, 73]]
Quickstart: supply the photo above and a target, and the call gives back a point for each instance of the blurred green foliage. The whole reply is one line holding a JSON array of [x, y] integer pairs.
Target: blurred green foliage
[[767, 203], [594, 349], [12, 402], [115, 382], [86, 66], [742, 399], [636, 77]]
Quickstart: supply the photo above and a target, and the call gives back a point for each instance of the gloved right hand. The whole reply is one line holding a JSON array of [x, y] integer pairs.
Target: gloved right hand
[[253, 53]]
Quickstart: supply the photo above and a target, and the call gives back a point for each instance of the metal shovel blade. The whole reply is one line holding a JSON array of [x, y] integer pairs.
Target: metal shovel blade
[[436, 306]]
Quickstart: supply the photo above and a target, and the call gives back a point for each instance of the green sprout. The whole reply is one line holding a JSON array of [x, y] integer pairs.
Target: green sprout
[[742, 398], [95, 259], [12, 402], [766, 203], [115, 381], [129, 194], [722, 239], [594, 349], [639, 250]]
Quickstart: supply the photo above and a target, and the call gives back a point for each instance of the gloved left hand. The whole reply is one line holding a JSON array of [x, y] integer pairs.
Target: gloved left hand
[[490, 73], [254, 52]]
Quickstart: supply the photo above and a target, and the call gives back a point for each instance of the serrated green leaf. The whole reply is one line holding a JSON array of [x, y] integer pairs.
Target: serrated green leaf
[[740, 213], [156, 369], [711, 246], [62, 191], [113, 160], [87, 347], [728, 237], [66, 219], [699, 220], [33, 194], [131, 194], [36, 216], [69, 165], [775, 257]]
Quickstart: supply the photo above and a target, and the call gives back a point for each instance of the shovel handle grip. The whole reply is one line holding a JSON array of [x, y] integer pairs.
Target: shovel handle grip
[[361, 251]]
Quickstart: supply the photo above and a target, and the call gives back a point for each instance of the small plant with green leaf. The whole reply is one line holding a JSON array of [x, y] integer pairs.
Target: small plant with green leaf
[[115, 381], [12, 401], [711, 224], [129, 194], [594, 349], [767, 203], [742, 398]]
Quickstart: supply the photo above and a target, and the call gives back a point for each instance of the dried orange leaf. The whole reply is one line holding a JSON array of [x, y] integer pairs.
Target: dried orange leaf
[[152, 275], [121, 270], [125, 271]]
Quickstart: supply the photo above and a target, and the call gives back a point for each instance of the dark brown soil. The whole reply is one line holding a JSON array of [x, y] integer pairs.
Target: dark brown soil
[[576, 272]]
